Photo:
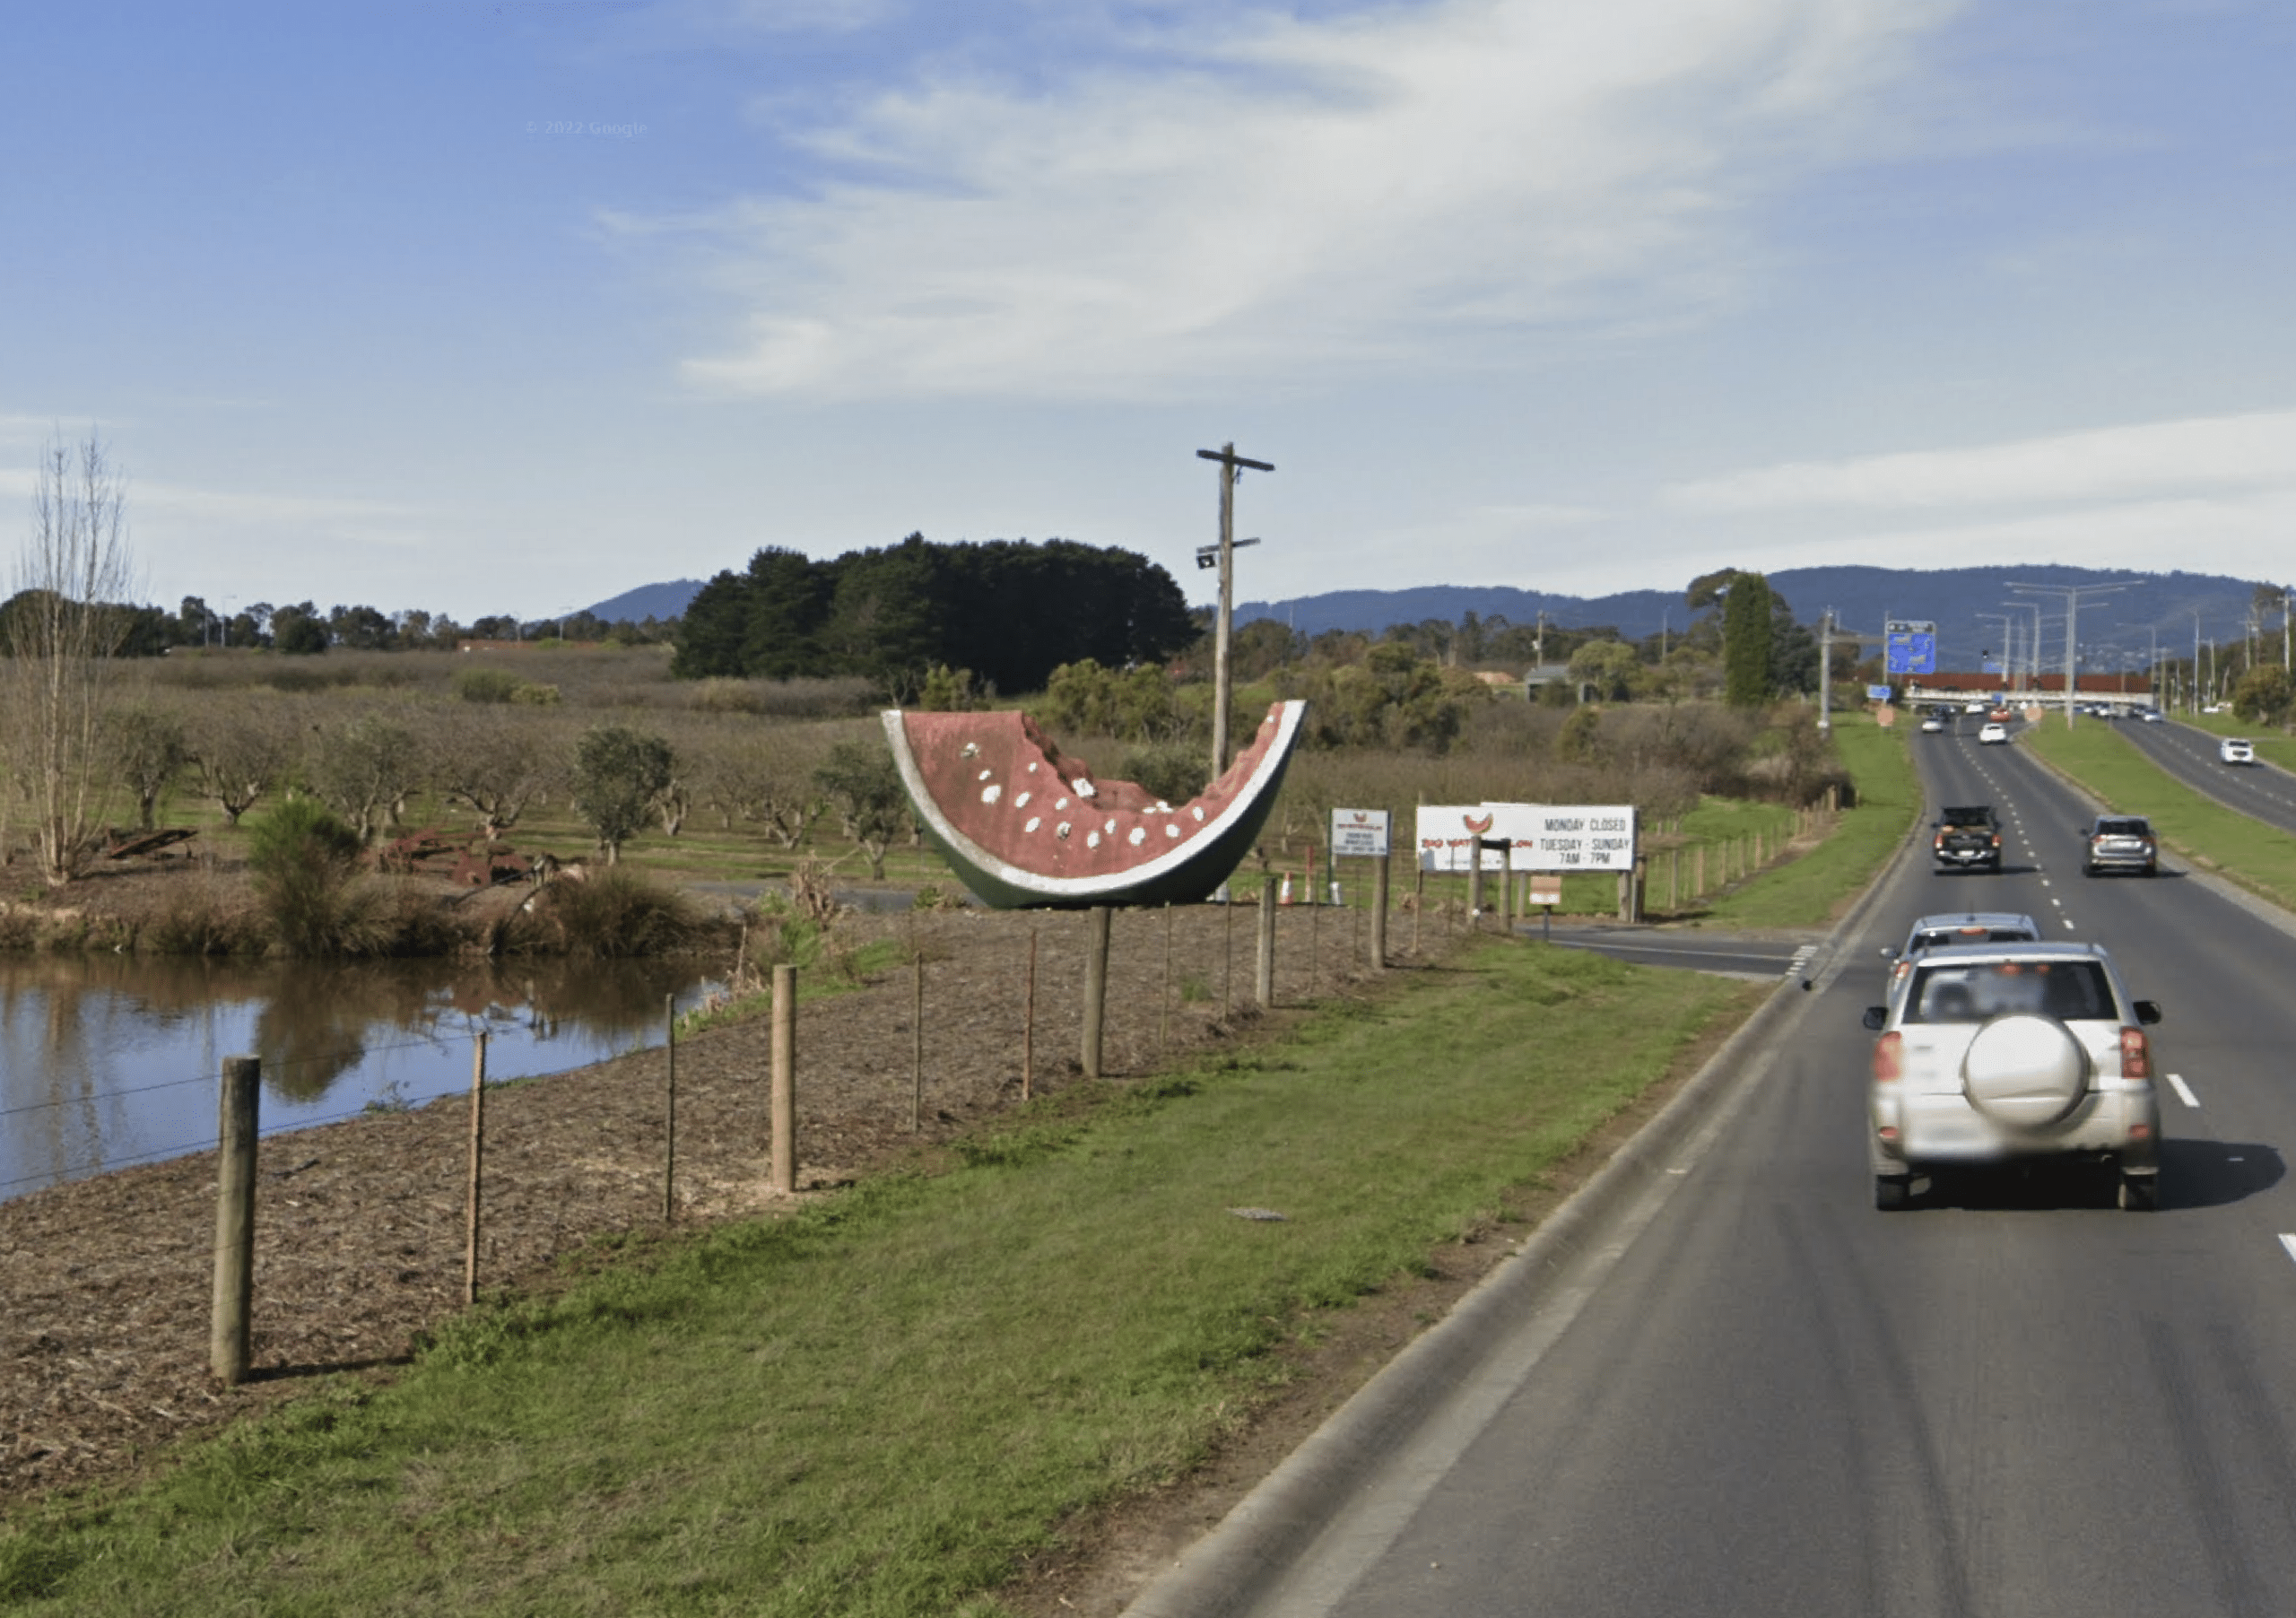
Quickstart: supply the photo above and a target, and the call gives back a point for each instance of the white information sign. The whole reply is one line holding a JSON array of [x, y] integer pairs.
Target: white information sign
[[1359, 833], [1540, 837]]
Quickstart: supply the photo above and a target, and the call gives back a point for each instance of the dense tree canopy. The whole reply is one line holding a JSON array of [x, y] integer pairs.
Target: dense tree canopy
[[1748, 624], [1010, 611]]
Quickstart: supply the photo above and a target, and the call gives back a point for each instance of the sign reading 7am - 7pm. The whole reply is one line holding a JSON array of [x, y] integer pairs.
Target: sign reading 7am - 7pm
[[1539, 837]]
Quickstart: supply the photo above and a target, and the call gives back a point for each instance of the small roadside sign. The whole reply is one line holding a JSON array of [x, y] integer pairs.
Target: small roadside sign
[[1877, 693], [1359, 833], [1546, 890], [1885, 716]]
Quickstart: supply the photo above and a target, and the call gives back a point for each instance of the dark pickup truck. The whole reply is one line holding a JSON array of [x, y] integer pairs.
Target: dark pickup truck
[[1967, 835]]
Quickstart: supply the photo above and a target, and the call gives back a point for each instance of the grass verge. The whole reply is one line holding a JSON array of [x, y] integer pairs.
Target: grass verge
[[2214, 838], [1810, 889], [879, 1404]]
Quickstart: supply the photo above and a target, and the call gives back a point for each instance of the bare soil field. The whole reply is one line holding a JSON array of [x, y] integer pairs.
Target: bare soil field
[[361, 1225]]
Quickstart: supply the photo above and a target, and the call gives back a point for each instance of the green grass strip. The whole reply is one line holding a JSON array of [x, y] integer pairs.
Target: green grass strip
[[878, 1405], [1809, 891], [2259, 857]]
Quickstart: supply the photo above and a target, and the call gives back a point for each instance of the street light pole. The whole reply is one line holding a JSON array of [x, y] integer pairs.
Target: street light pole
[[1231, 463], [1826, 672], [2072, 594]]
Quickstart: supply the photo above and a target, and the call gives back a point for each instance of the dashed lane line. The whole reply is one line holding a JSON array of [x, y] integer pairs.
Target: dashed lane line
[[2184, 1090], [2289, 1242]]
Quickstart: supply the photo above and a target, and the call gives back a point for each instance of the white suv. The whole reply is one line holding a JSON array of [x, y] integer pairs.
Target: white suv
[[2233, 750], [1994, 1054]]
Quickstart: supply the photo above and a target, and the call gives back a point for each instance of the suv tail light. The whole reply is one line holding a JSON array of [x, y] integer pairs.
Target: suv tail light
[[1889, 1051], [2135, 1054]]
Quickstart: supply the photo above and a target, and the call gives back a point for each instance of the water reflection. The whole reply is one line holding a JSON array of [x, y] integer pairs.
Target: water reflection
[[110, 1059]]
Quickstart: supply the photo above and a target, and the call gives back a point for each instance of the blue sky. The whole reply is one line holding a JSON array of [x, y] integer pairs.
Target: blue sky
[[511, 305]]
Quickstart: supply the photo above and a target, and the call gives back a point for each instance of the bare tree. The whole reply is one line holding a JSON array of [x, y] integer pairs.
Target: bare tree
[[495, 761], [240, 752], [62, 632], [147, 748], [364, 769], [768, 777]]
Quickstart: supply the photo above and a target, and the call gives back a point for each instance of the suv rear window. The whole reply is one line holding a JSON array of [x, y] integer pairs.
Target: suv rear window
[[1955, 992], [1937, 940], [2126, 826]]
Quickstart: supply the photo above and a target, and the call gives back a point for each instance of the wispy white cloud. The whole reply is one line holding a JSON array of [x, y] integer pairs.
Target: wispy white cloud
[[1295, 199], [2106, 464]]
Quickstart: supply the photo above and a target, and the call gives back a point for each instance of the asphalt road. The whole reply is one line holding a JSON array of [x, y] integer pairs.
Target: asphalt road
[[1728, 955], [2190, 756], [1756, 1394]]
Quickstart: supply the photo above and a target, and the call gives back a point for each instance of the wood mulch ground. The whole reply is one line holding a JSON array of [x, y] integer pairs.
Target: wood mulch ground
[[361, 1225]]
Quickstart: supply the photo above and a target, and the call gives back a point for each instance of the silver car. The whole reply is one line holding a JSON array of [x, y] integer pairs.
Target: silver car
[[1997, 1055], [1955, 927]]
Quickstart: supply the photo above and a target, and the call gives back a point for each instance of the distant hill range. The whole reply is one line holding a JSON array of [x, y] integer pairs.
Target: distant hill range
[[647, 601], [2123, 623], [2126, 621]]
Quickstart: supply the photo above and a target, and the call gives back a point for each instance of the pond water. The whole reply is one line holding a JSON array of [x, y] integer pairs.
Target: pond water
[[110, 1060]]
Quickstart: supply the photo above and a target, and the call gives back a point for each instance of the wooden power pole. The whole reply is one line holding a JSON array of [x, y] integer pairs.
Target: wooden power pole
[[1223, 557]]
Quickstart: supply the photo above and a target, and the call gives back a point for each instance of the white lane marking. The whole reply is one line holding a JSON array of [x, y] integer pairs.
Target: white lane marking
[[2184, 1090], [2068, 923], [2289, 1242], [2044, 881]]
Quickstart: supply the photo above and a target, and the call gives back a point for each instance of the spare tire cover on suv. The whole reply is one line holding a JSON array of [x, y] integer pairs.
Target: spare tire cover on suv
[[2025, 1071]]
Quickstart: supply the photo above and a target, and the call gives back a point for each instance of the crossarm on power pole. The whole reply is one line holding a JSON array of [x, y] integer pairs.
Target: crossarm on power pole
[[1229, 462]]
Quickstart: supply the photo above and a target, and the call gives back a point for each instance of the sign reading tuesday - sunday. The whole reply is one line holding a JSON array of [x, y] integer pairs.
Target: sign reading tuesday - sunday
[[1539, 837]]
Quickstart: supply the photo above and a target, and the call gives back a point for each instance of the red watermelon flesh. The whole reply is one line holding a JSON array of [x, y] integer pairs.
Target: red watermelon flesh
[[1030, 818]]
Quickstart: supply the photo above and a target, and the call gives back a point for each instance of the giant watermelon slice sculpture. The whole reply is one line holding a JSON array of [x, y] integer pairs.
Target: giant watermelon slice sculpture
[[1025, 828]]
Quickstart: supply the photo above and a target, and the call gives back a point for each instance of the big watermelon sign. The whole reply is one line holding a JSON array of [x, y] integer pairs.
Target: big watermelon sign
[[1025, 827]]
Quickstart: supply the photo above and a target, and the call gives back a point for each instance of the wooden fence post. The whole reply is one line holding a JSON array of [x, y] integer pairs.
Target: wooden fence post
[[670, 1108], [1227, 950], [473, 1180], [228, 1329], [781, 1175], [916, 1036], [1263, 981], [1029, 1023], [1096, 985], [1315, 947], [1164, 1005], [1378, 958]]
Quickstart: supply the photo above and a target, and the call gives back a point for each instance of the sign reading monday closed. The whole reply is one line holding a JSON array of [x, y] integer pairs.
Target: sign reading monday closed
[[1539, 837]]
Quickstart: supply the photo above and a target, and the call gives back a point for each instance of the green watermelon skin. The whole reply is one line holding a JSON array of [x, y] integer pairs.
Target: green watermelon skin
[[986, 788]]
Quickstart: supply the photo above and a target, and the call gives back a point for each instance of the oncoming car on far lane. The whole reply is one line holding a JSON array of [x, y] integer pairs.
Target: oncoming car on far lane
[[1998, 1055], [1955, 927]]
